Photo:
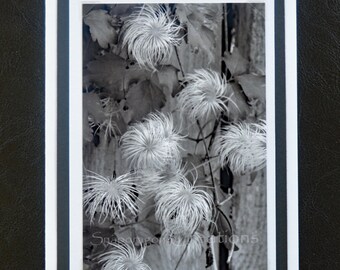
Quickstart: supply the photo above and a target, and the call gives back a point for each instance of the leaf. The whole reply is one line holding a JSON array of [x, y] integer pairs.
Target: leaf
[[193, 164], [101, 29], [114, 74], [139, 233], [236, 63], [90, 49], [254, 86], [238, 107], [202, 23], [224, 228], [121, 10], [93, 106], [96, 240], [156, 259], [92, 109], [167, 78], [143, 98]]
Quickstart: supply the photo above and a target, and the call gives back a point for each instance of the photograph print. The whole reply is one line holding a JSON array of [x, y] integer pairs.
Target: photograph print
[[174, 137]]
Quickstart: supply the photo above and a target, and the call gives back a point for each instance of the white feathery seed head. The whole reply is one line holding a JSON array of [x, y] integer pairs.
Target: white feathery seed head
[[150, 35], [242, 146], [174, 243], [124, 256], [181, 204], [110, 126], [150, 181], [112, 198], [152, 143], [205, 94]]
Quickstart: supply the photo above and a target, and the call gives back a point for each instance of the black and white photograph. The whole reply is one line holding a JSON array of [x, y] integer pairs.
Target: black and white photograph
[[174, 136], [169, 135]]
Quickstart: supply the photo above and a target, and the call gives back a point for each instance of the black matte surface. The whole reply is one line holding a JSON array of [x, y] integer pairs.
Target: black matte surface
[[63, 249], [22, 140], [319, 114], [280, 120]]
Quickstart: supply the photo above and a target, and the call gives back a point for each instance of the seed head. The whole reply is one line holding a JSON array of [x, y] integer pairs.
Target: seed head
[[152, 143], [112, 197], [174, 244], [150, 34], [205, 94], [181, 204], [124, 257], [242, 146]]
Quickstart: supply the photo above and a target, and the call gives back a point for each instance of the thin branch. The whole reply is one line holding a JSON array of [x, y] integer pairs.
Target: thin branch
[[202, 164], [209, 163], [179, 62], [185, 249]]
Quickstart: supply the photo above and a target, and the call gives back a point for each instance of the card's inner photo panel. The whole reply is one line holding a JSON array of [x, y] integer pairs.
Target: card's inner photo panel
[[174, 136]]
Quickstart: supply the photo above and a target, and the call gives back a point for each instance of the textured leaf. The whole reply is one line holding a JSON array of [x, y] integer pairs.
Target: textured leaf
[[96, 240], [156, 259], [254, 86], [101, 29], [114, 74], [193, 164], [236, 63], [224, 227], [202, 22], [138, 233], [90, 49], [121, 10], [238, 107], [92, 109], [166, 78], [143, 98]]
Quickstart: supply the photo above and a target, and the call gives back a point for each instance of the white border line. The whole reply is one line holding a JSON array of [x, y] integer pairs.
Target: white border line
[[76, 136], [291, 133], [51, 135], [174, 1], [76, 237], [271, 143]]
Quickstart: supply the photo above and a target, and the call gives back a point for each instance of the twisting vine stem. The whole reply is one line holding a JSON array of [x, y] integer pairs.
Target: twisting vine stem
[[179, 62], [185, 249], [211, 175]]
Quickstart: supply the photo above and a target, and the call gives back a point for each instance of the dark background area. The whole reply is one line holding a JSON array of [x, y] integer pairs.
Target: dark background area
[[319, 127], [22, 96]]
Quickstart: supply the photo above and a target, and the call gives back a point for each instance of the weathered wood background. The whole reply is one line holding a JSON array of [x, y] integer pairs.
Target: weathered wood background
[[247, 208]]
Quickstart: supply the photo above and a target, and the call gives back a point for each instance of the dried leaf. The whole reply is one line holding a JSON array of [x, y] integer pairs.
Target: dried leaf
[[167, 79], [101, 29], [202, 23], [139, 233], [90, 49], [156, 259], [224, 228], [92, 109], [121, 10], [194, 164], [254, 86], [143, 98], [96, 241], [238, 107], [236, 63], [114, 74], [93, 106]]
